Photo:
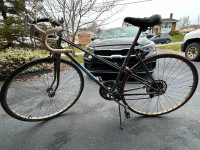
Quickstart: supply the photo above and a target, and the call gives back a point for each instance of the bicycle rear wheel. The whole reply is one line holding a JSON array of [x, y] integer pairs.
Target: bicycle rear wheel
[[26, 94], [175, 78]]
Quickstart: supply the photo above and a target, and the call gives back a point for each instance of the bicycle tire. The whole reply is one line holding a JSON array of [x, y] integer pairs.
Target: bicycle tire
[[25, 95], [176, 78]]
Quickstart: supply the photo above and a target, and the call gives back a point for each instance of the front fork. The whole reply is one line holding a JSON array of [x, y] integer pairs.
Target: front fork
[[56, 62]]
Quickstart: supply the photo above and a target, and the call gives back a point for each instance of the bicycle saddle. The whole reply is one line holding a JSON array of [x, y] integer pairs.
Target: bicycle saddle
[[144, 23]]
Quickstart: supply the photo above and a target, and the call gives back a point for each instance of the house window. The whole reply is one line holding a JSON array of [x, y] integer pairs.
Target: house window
[[166, 25]]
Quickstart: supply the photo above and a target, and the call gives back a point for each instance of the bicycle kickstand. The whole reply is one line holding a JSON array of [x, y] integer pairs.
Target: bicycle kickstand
[[126, 112], [120, 117]]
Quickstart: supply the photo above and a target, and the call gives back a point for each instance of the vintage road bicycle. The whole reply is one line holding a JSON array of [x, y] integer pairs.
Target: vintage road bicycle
[[43, 89]]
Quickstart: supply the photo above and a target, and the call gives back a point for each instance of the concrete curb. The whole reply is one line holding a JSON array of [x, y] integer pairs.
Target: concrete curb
[[172, 43], [171, 51]]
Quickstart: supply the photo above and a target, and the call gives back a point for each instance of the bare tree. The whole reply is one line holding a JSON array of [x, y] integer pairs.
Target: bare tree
[[80, 13], [184, 22], [94, 27], [198, 20]]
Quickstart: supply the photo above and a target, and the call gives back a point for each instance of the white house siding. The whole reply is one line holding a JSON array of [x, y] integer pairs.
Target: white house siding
[[166, 27]]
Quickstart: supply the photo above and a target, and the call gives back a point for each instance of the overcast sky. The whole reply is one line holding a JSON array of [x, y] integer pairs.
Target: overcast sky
[[179, 8]]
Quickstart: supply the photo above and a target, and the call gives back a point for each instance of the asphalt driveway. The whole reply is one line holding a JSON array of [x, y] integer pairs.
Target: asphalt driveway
[[93, 124]]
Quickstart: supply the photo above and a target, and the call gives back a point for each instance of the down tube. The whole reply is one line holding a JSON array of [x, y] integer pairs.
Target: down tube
[[87, 72]]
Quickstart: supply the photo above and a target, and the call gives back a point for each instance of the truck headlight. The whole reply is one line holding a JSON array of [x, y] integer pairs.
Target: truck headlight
[[90, 49], [149, 47]]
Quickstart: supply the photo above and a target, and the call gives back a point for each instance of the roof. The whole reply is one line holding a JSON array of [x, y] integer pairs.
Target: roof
[[169, 20]]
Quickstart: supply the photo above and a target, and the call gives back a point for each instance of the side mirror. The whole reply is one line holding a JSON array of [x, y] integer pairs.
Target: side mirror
[[93, 38]]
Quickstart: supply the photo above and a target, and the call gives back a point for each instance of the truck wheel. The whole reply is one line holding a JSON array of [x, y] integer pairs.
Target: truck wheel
[[167, 41], [193, 51]]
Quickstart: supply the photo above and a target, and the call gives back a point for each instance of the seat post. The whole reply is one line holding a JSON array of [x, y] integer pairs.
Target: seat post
[[137, 37]]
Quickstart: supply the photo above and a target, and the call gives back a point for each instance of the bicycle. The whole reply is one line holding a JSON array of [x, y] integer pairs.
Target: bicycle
[[52, 85]]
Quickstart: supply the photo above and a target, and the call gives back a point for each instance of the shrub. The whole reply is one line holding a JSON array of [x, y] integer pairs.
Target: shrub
[[13, 59], [172, 33]]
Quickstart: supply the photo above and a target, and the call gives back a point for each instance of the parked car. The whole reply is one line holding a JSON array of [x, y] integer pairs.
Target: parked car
[[191, 45], [149, 35], [162, 38], [113, 45]]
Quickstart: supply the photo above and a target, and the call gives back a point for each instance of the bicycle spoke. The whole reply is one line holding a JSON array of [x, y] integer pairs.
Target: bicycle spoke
[[173, 75], [37, 101]]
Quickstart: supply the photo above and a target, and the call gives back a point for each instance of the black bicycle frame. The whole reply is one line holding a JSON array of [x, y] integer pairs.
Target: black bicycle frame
[[122, 70]]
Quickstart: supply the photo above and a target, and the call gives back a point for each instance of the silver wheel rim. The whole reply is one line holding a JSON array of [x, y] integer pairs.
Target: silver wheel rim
[[36, 104], [173, 97], [192, 52]]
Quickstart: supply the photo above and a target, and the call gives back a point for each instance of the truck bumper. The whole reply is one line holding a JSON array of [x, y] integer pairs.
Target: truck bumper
[[182, 47]]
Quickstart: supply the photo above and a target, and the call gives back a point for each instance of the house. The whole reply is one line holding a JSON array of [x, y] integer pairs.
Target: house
[[84, 37], [167, 25]]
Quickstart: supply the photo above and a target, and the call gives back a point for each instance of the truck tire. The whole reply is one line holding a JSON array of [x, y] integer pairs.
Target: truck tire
[[193, 51], [167, 41]]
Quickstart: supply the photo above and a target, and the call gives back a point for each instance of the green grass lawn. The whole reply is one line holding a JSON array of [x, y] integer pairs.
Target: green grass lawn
[[79, 58], [176, 47], [77, 50], [177, 38]]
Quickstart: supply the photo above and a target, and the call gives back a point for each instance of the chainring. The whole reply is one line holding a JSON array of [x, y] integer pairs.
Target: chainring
[[104, 93]]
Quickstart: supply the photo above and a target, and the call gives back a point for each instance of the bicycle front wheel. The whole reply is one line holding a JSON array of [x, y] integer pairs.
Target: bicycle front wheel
[[175, 81], [26, 94]]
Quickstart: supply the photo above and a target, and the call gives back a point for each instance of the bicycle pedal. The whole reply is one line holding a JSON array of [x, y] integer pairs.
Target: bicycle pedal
[[127, 114]]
